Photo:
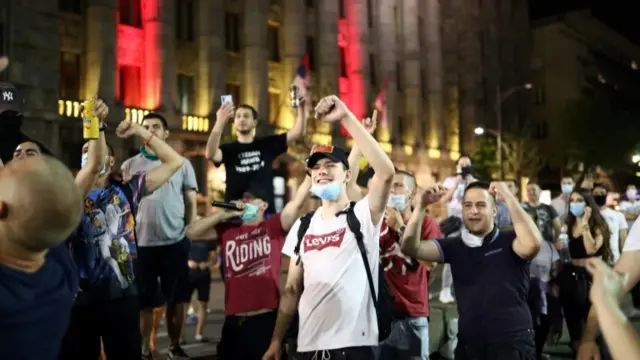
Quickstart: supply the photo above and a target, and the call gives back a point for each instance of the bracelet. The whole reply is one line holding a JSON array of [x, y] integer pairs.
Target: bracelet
[[147, 141]]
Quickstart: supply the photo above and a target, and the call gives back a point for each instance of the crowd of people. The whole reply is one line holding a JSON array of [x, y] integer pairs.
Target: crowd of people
[[89, 263]]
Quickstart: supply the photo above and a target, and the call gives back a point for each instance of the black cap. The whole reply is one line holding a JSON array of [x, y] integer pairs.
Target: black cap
[[327, 151], [10, 98], [257, 192]]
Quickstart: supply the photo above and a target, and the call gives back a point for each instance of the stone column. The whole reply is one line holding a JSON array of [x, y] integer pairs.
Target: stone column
[[167, 40], [100, 52], [385, 25], [436, 131], [256, 68], [450, 69], [358, 54], [328, 57], [292, 32], [414, 117], [211, 76]]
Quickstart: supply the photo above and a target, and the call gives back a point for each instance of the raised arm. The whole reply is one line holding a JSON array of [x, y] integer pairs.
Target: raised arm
[[170, 159], [528, 238], [411, 243], [205, 228], [224, 113], [355, 156], [299, 129], [96, 153], [291, 211]]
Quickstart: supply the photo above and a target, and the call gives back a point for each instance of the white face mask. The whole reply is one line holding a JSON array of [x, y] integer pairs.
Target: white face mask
[[471, 240], [398, 202]]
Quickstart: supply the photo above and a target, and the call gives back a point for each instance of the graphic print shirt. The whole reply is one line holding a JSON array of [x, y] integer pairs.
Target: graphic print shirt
[[104, 243]]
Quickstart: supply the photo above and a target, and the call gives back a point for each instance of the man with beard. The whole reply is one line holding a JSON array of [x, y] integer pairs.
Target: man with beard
[[248, 160], [107, 305], [490, 270]]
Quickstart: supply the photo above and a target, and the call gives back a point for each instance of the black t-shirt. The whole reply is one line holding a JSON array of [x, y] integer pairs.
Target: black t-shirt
[[35, 308], [492, 283], [543, 215], [251, 164]]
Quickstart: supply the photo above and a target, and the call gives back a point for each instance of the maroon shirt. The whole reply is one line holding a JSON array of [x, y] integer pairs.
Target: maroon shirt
[[407, 278]]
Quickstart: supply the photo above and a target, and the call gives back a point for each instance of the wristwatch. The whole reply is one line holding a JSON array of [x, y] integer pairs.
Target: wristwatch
[[103, 126], [400, 231]]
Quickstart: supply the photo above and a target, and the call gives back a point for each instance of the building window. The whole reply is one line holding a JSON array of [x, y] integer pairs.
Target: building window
[[341, 9], [234, 91], [373, 74], [130, 13], [311, 52], [185, 20], [69, 83], [70, 6], [399, 81], [273, 43], [274, 107], [370, 13], [343, 62], [129, 86], [186, 94], [232, 32]]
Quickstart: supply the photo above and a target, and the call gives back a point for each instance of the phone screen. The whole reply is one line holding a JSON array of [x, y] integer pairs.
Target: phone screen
[[226, 98]]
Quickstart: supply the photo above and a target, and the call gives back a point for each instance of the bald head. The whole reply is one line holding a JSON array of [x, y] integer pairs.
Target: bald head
[[40, 204]]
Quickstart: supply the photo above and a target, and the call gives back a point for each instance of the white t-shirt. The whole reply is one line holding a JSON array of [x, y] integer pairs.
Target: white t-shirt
[[627, 206], [616, 221], [336, 308], [633, 238], [454, 207], [560, 206], [541, 264]]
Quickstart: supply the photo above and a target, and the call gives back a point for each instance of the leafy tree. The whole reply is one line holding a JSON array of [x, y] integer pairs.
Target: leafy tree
[[485, 164]]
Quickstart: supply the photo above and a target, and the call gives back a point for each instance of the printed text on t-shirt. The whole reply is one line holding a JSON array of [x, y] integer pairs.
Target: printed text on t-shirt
[[248, 254], [249, 161], [319, 242]]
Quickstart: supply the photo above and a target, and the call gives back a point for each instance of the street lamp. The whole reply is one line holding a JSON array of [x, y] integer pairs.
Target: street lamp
[[500, 99], [480, 130], [635, 158]]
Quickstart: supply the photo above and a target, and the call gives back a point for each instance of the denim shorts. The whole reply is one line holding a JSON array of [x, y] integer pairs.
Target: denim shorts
[[409, 338]]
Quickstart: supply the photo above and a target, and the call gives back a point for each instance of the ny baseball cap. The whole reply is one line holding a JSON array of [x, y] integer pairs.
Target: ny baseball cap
[[10, 98], [327, 151]]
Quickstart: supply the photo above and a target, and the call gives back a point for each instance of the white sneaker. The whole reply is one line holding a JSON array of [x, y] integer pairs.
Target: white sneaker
[[445, 296]]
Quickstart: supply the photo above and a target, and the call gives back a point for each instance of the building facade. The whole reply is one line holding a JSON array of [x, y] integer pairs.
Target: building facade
[[441, 61]]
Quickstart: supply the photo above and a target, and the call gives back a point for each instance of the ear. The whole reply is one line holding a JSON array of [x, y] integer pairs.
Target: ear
[[4, 210], [347, 176], [166, 133], [112, 161], [263, 206], [494, 211]]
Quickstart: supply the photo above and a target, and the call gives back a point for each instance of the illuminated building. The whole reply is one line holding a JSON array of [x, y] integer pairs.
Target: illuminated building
[[178, 57]]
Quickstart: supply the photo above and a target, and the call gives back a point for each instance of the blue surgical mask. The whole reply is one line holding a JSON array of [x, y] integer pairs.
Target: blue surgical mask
[[398, 202], [567, 189], [577, 209], [250, 212], [329, 191]]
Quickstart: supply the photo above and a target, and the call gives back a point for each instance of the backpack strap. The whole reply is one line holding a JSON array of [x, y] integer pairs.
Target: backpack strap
[[305, 221], [354, 227]]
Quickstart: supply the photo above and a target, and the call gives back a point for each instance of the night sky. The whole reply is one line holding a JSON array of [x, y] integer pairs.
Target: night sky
[[617, 14]]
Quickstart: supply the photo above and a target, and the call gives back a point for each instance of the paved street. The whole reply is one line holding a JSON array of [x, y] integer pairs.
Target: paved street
[[206, 351]]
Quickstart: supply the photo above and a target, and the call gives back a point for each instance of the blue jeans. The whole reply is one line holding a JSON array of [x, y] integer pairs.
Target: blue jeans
[[409, 338]]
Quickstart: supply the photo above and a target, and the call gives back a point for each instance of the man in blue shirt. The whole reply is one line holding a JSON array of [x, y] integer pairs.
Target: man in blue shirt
[[490, 270], [103, 247], [40, 205]]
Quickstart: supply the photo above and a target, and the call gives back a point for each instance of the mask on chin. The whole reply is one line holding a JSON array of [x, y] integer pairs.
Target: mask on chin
[[471, 240], [398, 202], [331, 191], [147, 155]]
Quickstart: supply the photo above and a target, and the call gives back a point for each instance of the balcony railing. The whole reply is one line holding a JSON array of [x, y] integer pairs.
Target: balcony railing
[[135, 115], [69, 108], [195, 123]]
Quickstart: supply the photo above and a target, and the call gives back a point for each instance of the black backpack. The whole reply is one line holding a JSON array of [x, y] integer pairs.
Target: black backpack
[[384, 302]]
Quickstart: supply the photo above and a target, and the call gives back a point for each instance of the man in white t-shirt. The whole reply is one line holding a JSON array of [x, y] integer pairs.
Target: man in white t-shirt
[[628, 263], [337, 317], [618, 226], [561, 203], [630, 207]]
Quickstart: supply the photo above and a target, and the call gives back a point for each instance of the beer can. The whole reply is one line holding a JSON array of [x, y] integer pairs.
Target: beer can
[[293, 94], [90, 122]]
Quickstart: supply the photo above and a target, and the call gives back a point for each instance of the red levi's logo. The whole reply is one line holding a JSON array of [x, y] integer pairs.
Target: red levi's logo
[[319, 242]]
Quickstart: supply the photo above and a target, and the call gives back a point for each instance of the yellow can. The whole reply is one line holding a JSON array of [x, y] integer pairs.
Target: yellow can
[[90, 122]]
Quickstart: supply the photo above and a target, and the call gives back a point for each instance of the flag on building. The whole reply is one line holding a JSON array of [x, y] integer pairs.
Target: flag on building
[[302, 79], [380, 104]]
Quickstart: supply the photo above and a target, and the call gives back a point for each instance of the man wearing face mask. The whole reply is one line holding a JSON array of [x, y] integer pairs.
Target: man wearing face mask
[[618, 226], [251, 263], [561, 203], [407, 277], [490, 272], [630, 207], [106, 306]]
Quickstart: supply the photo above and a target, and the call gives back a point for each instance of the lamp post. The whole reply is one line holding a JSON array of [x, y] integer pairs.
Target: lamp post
[[500, 99]]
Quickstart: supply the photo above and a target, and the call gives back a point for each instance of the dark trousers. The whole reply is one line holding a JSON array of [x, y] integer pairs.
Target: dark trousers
[[350, 353], [516, 346], [116, 322], [247, 337], [541, 330], [575, 284]]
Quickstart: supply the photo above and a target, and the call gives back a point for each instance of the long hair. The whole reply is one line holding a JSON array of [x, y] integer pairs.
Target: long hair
[[596, 222]]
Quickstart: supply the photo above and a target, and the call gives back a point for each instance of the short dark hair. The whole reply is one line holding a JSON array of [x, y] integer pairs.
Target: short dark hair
[[154, 115], [477, 185], [254, 112], [43, 149]]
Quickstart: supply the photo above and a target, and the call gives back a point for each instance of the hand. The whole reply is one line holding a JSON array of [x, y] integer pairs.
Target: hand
[[607, 283], [371, 123], [234, 213], [394, 219], [126, 129], [500, 189], [588, 350], [273, 352], [100, 109], [225, 112], [331, 109], [4, 62], [431, 195], [587, 215]]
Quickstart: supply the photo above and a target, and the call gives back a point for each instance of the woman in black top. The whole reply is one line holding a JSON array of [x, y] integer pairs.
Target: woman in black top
[[588, 234]]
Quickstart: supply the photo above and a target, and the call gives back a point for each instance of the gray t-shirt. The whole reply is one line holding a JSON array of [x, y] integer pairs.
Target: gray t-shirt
[[160, 218]]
